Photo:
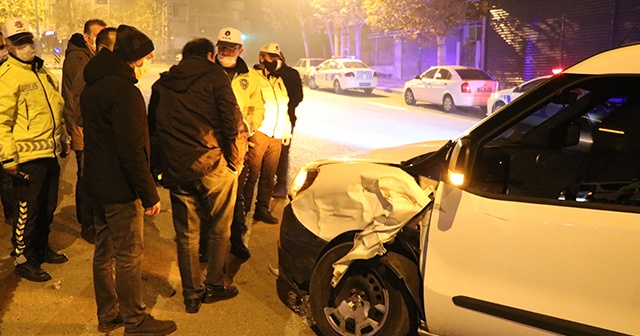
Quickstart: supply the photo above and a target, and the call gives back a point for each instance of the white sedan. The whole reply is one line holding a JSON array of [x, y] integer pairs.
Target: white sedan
[[503, 97], [343, 73], [451, 86]]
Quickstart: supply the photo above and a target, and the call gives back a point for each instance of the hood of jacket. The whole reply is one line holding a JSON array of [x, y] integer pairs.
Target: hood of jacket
[[182, 76], [106, 64], [72, 48]]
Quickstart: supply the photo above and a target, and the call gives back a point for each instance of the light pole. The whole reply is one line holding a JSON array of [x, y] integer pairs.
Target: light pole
[[37, 19]]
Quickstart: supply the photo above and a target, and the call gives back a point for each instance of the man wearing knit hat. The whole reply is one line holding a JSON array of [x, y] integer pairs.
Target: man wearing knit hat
[[31, 140], [118, 179]]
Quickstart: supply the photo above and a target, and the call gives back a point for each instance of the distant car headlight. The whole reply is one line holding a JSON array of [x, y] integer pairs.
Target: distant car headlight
[[304, 179]]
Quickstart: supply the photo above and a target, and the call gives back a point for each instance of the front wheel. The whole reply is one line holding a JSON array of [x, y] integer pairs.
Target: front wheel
[[336, 87], [367, 301], [448, 105], [409, 98], [312, 83], [498, 105]]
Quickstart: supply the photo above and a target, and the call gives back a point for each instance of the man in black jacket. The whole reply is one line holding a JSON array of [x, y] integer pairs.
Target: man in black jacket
[[119, 181], [293, 83], [194, 120]]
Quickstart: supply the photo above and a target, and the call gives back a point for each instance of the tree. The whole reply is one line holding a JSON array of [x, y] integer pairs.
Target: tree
[[25, 9], [426, 21], [279, 12]]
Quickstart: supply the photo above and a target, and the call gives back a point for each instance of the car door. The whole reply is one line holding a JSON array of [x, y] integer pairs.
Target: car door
[[421, 88], [321, 72], [440, 84], [536, 240]]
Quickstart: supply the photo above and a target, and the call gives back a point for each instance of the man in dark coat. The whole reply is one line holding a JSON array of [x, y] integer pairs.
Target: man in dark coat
[[118, 179], [293, 83], [195, 121]]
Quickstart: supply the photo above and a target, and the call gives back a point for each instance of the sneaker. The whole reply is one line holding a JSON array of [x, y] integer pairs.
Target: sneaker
[[89, 234], [151, 326], [262, 214], [31, 272], [105, 327], [192, 306], [219, 293], [52, 257]]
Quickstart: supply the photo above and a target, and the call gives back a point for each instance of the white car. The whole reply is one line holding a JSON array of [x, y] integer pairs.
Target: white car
[[503, 97], [451, 86], [527, 224], [304, 67], [343, 73]]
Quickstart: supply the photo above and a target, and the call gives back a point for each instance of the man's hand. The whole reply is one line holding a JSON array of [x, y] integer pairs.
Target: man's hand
[[152, 211], [13, 171], [286, 139]]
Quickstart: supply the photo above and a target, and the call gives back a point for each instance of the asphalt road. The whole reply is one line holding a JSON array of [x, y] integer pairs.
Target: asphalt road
[[328, 125]]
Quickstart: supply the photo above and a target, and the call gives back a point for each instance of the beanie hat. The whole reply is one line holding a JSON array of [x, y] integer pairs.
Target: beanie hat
[[131, 44]]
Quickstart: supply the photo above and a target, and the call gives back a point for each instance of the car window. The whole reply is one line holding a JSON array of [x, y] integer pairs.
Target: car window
[[443, 74], [354, 65], [315, 62], [528, 86], [581, 146], [300, 62], [473, 74], [429, 74]]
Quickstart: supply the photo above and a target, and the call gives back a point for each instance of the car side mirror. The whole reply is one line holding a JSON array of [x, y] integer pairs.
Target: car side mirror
[[417, 77], [517, 89], [459, 159]]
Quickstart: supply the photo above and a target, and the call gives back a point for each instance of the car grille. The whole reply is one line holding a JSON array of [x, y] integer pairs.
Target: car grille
[[364, 75]]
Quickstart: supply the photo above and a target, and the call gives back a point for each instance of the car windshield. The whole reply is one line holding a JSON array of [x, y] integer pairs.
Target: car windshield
[[354, 65], [315, 62], [473, 74]]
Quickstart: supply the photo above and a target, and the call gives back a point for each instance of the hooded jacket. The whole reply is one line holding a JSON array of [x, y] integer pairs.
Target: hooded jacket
[[30, 112], [293, 83], [76, 57], [195, 121], [246, 88], [116, 151], [276, 121]]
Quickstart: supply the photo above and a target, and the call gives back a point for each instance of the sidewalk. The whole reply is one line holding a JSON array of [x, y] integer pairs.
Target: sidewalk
[[390, 85]]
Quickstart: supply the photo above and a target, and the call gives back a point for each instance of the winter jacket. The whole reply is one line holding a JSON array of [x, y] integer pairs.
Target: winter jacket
[[76, 57], [116, 137], [246, 88], [30, 112], [274, 94], [293, 83], [195, 121]]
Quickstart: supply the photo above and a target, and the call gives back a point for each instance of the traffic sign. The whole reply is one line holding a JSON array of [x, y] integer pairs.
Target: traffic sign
[[57, 50]]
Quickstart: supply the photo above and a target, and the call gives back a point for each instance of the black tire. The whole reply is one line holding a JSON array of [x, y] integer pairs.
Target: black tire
[[368, 91], [336, 87], [367, 283], [312, 83], [409, 97], [448, 104], [498, 105]]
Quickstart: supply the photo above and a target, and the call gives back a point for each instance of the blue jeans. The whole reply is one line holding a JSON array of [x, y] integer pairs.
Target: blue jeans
[[203, 204], [119, 237]]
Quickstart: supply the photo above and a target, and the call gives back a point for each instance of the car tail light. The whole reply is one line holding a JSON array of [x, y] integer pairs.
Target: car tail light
[[465, 87], [349, 74]]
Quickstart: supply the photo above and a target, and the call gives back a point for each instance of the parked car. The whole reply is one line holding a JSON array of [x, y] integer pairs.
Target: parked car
[[343, 74], [451, 86], [304, 67], [487, 234], [503, 97]]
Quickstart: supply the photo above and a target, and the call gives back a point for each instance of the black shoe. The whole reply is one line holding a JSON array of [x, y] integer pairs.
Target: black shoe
[[89, 234], [151, 326], [219, 293], [52, 257], [111, 325], [262, 214], [31, 272], [192, 306]]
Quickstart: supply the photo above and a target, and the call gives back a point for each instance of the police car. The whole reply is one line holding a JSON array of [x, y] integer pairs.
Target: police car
[[343, 73], [503, 97]]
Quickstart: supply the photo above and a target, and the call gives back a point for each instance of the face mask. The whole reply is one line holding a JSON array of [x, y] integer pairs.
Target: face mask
[[4, 54], [227, 61], [272, 66], [26, 53], [142, 70]]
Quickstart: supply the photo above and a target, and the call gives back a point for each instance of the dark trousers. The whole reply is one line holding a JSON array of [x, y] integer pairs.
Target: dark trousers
[[283, 167], [239, 227], [37, 198], [7, 197], [119, 238], [263, 157], [84, 209], [203, 204]]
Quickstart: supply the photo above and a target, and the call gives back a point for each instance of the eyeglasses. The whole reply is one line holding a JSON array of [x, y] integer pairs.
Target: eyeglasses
[[223, 48]]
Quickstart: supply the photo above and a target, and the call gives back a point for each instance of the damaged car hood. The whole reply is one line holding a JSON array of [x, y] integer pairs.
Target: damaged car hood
[[394, 155]]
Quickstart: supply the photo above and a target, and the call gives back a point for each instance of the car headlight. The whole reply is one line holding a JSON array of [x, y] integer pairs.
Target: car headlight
[[304, 179]]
